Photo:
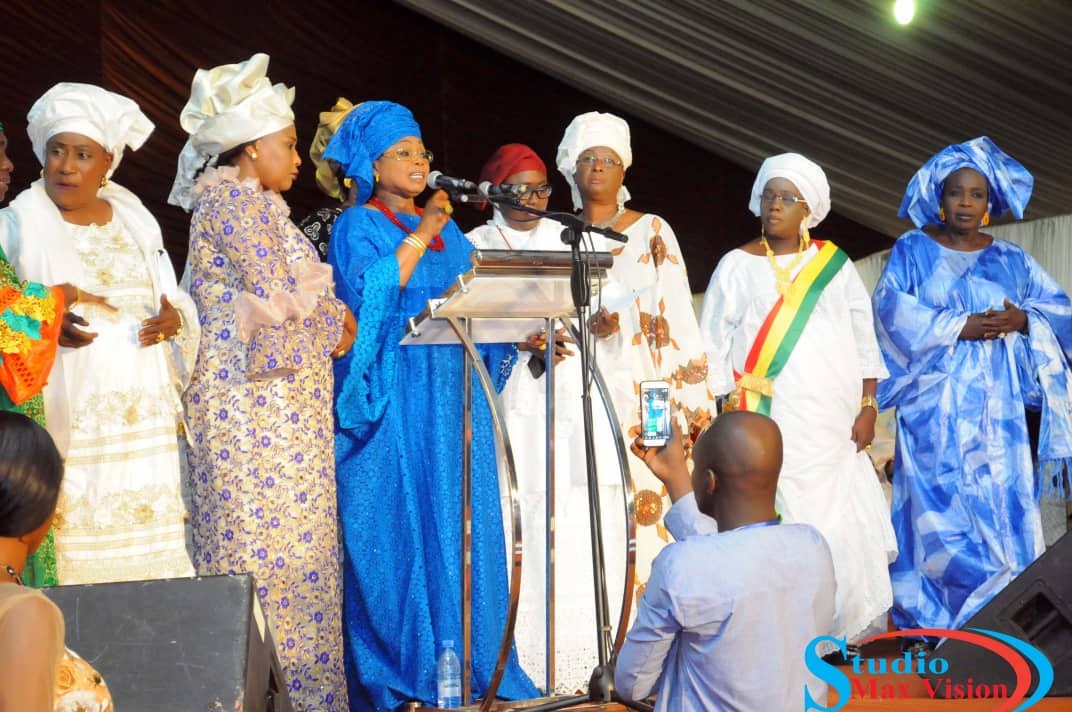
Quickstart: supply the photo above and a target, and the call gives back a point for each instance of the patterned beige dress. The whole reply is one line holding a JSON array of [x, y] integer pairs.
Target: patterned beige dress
[[259, 416]]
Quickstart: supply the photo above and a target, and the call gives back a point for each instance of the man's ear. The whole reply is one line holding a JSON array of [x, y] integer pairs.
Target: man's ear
[[710, 482]]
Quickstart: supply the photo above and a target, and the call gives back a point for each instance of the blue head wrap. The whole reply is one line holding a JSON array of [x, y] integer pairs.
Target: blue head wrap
[[1008, 181], [366, 132]]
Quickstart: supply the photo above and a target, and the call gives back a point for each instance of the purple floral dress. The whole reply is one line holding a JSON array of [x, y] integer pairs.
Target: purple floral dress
[[259, 422]]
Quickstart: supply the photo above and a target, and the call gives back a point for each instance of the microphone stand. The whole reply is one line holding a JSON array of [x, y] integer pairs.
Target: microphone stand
[[601, 683]]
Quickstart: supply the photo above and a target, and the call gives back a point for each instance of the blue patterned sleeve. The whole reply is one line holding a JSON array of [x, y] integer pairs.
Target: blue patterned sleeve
[[1045, 299], [367, 279], [246, 228], [913, 336]]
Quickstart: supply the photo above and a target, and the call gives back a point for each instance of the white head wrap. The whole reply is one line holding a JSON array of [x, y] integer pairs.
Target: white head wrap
[[586, 131], [229, 105], [110, 119], [806, 175]]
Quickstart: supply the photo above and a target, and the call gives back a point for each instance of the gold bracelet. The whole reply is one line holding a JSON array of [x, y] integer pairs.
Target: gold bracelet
[[416, 243], [869, 402]]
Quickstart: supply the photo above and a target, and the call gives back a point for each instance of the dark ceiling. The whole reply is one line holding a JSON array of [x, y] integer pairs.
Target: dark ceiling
[[838, 81], [709, 89]]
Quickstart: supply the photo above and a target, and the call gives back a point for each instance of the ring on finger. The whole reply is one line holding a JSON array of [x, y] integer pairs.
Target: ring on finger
[[159, 336]]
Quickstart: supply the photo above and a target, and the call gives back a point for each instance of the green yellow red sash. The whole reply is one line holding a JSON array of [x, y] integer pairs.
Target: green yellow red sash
[[781, 330]]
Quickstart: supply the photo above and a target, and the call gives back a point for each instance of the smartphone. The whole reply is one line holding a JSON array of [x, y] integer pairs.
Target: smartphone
[[655, 412]]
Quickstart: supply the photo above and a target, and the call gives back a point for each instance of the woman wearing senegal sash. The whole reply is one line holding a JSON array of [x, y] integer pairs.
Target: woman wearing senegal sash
[[788, 330]]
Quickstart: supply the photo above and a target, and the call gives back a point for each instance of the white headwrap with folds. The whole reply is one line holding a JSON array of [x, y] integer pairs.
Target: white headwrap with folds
[[110, 119], [806, 175], [229, 105], [587, 131]]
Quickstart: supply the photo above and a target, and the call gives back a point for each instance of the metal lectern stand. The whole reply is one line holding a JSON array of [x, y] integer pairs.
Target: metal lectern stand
[[506, 296]]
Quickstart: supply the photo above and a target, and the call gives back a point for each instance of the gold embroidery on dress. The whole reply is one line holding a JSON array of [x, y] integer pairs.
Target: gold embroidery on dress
[[86, 443], [126, 535], [73, 460], [122, 511], [110, 257], [117, 410]]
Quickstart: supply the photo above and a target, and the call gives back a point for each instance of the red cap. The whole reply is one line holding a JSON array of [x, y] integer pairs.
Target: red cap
[[508, 160]]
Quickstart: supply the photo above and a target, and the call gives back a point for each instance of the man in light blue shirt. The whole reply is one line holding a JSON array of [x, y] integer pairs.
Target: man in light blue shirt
[[730, 607]]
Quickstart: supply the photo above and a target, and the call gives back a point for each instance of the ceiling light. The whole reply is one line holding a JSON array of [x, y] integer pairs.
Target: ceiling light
[[904, 11]]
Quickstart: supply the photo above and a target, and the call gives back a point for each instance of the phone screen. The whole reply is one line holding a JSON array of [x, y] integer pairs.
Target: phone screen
[[655, 412]]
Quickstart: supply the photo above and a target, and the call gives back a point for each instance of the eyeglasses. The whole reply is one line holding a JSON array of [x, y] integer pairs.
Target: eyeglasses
[[591, 161], [404, 154], [786, 198], [524, 190]]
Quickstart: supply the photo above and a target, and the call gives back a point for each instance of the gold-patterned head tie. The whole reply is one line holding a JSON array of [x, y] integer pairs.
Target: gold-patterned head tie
[[330, 121]]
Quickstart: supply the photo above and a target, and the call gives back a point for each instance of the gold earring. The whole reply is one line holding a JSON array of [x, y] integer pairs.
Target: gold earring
[[103, 181], [375, 177], [348, 183], [805, 236], [253, 155], [986, 218], [941, 214]]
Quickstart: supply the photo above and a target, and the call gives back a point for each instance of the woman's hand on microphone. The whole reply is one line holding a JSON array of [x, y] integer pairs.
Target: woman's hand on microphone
[[437, 212]]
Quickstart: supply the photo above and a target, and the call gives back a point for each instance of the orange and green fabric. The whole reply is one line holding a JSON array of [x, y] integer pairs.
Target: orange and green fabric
[[40, 566]]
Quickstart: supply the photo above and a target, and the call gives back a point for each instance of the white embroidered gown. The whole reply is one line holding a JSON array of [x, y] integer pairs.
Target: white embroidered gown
[[120, 515]]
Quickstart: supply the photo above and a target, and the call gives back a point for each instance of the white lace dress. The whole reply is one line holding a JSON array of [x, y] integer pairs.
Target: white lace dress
[[120, 515]]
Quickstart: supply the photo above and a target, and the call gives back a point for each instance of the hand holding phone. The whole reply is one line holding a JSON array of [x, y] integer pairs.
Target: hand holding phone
[[655, 412]]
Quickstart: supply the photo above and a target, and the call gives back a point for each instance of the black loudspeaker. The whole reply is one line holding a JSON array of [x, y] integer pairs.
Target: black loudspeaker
[[177, 645], [1036, 608]]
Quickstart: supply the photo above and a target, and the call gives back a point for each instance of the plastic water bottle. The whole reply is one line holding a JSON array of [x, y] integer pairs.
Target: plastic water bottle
[[448, 678]]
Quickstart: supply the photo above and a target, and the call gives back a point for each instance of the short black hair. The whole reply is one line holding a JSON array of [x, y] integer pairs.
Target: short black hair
[[31, 472]]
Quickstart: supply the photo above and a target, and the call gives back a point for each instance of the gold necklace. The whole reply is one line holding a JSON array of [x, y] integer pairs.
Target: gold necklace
[[782, 275]]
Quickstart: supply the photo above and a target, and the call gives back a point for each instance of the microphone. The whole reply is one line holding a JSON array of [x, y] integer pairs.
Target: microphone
[[504, 190], [438, 181]]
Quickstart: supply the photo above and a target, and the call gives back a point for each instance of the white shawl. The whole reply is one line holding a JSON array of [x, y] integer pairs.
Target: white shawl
[[35, 239]]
